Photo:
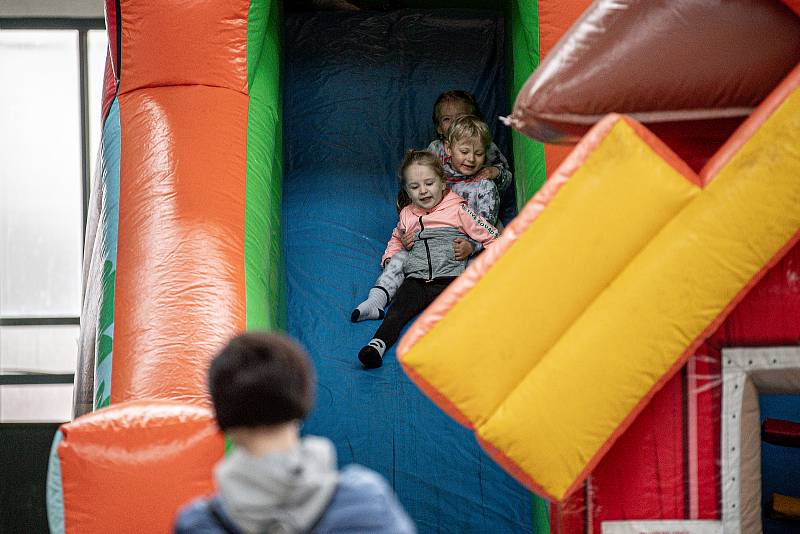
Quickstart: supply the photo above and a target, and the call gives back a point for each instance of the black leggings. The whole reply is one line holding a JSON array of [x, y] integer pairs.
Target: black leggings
[[413, 296]]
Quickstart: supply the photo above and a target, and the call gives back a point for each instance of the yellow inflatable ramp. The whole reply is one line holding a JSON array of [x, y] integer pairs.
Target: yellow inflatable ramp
[[555, 339]]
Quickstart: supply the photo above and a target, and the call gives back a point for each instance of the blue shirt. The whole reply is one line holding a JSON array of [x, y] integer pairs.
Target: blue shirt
[[362, 502]]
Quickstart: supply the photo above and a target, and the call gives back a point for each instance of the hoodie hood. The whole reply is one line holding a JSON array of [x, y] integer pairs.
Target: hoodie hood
[[448, 200], [282, 492]]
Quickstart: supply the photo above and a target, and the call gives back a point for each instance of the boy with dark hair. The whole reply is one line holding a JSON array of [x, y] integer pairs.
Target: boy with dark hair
[[274, 481]]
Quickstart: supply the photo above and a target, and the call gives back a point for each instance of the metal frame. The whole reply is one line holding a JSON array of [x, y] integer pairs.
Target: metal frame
[[82, 26], [40, 321], [56, 23], [35, 379], [759, 370]]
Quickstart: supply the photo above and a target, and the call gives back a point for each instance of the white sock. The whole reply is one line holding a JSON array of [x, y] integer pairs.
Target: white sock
[[372, 308], [377, 344]]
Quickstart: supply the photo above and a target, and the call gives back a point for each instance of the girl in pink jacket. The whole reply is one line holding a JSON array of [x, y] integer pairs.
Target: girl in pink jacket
[[443, 227]]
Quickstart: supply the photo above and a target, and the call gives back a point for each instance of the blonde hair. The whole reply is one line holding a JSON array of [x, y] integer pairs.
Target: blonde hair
[[467, 126], [417, 157]]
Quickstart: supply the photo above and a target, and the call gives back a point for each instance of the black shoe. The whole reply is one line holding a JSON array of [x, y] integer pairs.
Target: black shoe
[[370, 357], [357, 313]]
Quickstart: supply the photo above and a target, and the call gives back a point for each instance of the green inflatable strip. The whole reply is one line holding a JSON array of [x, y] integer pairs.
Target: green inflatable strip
[[540, 515], [529, 163], [265, 307], [105, 342], [522, 26], [256, 27]]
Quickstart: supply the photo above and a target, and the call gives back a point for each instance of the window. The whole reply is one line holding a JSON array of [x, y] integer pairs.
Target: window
[[50, 102]]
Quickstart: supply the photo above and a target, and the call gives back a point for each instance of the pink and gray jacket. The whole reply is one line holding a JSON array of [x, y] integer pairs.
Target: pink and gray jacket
[[432, 255]]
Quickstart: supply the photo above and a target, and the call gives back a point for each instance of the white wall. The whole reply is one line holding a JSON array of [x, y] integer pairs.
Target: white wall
[[52, 8]]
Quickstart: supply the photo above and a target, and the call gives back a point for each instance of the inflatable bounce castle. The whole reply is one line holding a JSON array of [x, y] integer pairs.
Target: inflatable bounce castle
[[625, 359]]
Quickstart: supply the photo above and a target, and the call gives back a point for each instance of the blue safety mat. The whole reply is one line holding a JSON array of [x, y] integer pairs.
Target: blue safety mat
[[358, 91]]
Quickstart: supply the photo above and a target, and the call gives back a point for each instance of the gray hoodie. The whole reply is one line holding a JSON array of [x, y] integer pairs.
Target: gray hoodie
[[295, 491], [283, 492]]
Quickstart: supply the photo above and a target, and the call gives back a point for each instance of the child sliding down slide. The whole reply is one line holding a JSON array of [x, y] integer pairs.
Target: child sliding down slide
[[443, 226], [475, 170], [465, 149], [494, 167]]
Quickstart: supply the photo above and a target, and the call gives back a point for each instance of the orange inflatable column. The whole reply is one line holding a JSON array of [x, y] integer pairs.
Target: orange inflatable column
[[109, 465], [555, 18], [180, 289]]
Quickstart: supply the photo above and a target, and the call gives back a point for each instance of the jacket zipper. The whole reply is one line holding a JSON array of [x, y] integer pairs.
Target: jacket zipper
[[427, 250]]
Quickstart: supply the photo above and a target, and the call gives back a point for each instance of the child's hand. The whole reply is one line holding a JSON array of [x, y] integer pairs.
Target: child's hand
[[487, 173], [462, 248], [407, 238]]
